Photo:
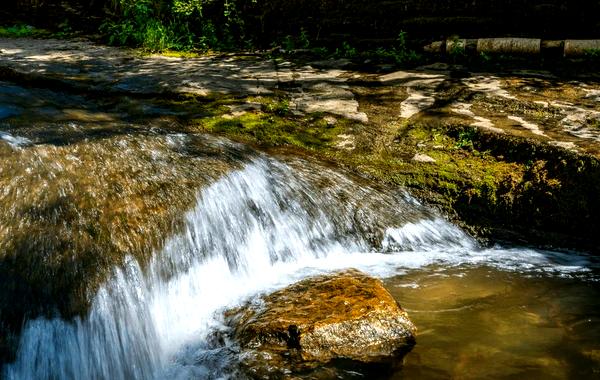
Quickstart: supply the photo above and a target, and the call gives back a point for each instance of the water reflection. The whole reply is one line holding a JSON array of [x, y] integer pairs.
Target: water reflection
[[484, 323]]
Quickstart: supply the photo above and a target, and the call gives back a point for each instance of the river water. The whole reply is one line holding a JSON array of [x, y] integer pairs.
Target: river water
[[251, 223]]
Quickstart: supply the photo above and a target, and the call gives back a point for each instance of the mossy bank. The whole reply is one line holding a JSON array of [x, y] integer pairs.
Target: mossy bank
[[498, 186]]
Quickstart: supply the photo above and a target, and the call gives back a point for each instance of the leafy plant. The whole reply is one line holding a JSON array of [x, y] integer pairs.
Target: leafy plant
[[279, 107], [208, 36], [485, 58], [320, 51], [593, 54], [303, 40], [183, 25], [187, 7], [288, 43], [457, 51], [400, 53], [346, 51], [22, 30], [465, 139]]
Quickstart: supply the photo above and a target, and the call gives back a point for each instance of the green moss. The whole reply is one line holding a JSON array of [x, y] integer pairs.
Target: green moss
[[491, 183], [198, 106], [272, 130], [455, 173], [595, 123], [181, 54]]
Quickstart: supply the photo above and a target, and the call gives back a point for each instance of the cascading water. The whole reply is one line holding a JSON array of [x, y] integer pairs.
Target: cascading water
[[255, 229], [258, 224], [246, 231]]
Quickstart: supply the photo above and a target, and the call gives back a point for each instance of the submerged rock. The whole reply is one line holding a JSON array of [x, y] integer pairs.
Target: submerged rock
[[347, 315]]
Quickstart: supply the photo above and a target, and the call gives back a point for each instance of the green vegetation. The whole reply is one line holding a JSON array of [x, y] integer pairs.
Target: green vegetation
[[187, 28], [346, 51], [465, 139], [280, 107], [456, 172], [485, 58], [400, 53], [180, 25], [201, 25], [593, 54], [274, 126], [301, 41], [21, 30], [459, 166], [457, 52]]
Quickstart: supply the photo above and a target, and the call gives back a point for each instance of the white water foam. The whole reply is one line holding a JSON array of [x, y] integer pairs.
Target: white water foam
[[14, 141]]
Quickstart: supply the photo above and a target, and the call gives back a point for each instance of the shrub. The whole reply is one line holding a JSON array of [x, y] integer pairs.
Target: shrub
[[400, 53], [22, 31], [157, 25]]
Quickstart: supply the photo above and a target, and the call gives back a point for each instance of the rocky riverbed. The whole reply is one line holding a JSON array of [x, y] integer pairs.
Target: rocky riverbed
[[113, 161], [511, 154]]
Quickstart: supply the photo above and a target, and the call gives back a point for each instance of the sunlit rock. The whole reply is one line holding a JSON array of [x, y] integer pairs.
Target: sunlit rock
[[347, 315], [420, 157]]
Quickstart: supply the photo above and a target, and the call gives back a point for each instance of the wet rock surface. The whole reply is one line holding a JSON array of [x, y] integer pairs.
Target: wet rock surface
[[531, 104], [541, 121], [83, 189], [84, 66], [343, 316], [534, 105]]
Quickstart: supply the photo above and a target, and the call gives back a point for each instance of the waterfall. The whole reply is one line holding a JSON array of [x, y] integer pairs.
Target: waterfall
[[256, 229]]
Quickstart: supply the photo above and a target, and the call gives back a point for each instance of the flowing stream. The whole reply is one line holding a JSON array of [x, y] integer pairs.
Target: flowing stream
[[263, 222]]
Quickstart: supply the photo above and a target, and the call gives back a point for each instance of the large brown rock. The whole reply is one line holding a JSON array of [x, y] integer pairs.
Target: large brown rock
[[346, 315]]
